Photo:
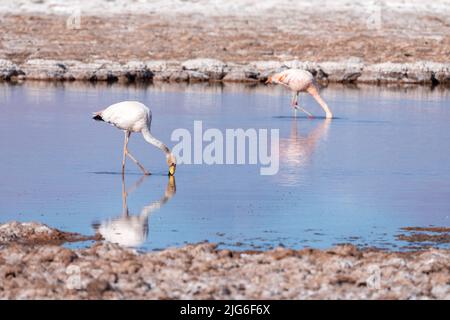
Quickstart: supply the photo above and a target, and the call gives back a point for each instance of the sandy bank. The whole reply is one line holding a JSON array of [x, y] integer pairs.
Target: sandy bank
[[202, 271]]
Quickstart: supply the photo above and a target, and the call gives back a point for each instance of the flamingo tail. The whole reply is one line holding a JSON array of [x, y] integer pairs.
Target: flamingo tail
[[97, 116]]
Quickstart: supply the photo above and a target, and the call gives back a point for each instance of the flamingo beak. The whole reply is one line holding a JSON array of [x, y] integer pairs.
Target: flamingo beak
[[267, 81], [172, 168]]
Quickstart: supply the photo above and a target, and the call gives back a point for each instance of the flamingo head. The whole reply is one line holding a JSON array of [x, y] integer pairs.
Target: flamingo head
[[269, 80], [172, 163]]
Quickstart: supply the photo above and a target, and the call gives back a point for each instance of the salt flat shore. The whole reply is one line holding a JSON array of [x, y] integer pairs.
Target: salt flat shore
[[215, 70], [34, 266], [199, 40]]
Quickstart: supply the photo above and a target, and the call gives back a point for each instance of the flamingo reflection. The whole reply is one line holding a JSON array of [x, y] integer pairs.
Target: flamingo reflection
[[297, 149], [132, 230]]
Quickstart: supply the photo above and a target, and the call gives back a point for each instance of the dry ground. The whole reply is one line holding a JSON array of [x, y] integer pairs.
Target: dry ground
[[402, 34]]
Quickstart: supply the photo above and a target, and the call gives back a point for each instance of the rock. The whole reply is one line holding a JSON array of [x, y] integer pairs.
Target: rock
[[166, 70], [178, 76], [8, 70], [35, 233], [242, 74], [443, 75], [137, 71], [440, 72], [251, 74], [86, 71], [40, 69], [105, 70], [157, 66], [441, 291], [420, 72], [197, 76], [266, 68], [303, 65], [162, 76], [14, 231], [344, 71], [345, 250], [215, 69], [98, 287], [235, 76]]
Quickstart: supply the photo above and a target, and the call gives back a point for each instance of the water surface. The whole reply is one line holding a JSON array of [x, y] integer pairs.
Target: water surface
[[382, 165]]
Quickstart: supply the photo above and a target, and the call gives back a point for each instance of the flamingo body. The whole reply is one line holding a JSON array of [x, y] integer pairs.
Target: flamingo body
[[131, 116], [295, 79]]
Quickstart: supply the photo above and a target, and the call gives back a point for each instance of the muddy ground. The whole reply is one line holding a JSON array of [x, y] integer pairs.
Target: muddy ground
[[201, 271]]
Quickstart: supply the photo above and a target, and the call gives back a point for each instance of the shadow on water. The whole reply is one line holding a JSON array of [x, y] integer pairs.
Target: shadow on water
[[159, 174], [321, 118], [302, 117], [130, 230], [117, 173]]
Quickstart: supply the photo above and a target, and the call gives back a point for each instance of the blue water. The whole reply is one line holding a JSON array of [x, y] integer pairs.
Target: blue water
[[383, 164]]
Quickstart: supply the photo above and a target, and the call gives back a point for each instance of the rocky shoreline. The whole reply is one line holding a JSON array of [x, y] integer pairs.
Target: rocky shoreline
[[197, 70], [171, 40], [39, 270]]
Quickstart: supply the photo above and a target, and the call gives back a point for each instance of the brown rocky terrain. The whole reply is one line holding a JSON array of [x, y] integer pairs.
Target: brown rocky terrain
[[201, 271]]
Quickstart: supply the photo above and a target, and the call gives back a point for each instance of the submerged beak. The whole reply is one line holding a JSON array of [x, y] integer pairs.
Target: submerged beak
[[267, 81], [172, 168]]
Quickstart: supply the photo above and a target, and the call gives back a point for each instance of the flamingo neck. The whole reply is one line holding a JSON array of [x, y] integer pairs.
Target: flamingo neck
[[152, 140], [147, 210]]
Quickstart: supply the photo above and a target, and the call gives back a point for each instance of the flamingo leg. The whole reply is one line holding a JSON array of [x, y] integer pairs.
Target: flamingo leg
[[294, 103], [312, 90], [310, 115], [125, 143], [124, 198], [294, 100], [127, 153]]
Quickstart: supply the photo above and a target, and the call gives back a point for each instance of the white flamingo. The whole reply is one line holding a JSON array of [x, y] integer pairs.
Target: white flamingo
[[300, 81], [133, 116]]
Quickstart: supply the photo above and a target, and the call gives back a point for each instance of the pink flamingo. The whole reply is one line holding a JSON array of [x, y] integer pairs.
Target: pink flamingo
[[300, 81]]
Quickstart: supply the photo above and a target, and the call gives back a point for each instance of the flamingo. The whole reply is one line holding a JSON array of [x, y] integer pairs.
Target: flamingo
[[133, 116], [300, 81]]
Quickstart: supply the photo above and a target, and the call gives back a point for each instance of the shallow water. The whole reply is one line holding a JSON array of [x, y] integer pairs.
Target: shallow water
[[382, 165]]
